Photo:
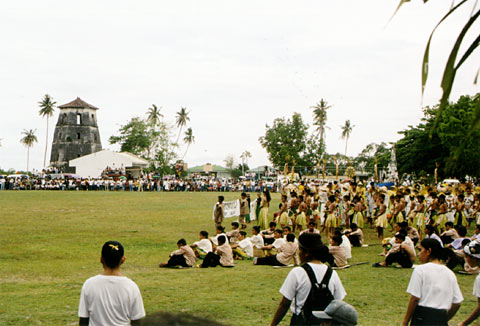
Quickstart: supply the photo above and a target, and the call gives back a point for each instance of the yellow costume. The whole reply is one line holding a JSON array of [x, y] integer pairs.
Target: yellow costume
[[284, 220], [358, 219], [263, 221], [331, 221], [382, 221], [441, 220], [301, 220]]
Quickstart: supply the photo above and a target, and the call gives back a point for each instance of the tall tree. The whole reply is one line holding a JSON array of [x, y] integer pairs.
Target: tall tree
[[346, 132], [320, 118], [245, 156], [188, 139], [286, 139], [28, 140], [181, 120], [154, 115], [229, 162], [47, 107], [135, 137]]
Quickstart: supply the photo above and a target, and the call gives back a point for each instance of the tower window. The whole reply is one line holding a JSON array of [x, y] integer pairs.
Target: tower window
[[78, 135], [95, 137], [60, 137], [79, 119]]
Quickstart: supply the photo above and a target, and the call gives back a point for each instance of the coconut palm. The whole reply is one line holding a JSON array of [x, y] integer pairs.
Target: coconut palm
[[28, 140], [188, 139], [346, 132], [181, 120], [154, 115], [245, 155], [47, 107], [320, 117]]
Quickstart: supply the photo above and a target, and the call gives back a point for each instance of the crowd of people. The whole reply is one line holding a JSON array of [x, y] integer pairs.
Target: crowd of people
[[431, 221]]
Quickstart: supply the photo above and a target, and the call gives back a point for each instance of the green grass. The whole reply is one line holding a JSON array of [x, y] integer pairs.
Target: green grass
[[50, 244]]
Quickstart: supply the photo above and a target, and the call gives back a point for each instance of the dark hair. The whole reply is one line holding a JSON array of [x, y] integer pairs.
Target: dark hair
[[290, 237], [430, 228], [204, 233], [403, 232], [337, 239], [256, 228], [462, 231], [311, 244], [279, 231], [243, 233], [400, 236], [403, 224], [112, 253], [182, 242], [465, 242], [437, 251], [290, 229], [354, 226], [311, 223], [284, 196], [235, 224], [331, 198], [450, 224], [170, 319], [273, 224], [221, 239], [267, 195], [243, 194], [221, 198]]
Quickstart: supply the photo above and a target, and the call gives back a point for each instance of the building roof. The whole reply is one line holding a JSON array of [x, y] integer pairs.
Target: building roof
[[202, 168], [77, 103]]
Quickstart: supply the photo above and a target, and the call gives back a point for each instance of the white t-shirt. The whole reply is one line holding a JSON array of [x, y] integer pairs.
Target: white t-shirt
[[110, 300], [436, 237], [297, 286], [278, 242], [257, 241], [407, 241], [246, 246], [435, 285], [204, 244], [476, 286], [347, 246]]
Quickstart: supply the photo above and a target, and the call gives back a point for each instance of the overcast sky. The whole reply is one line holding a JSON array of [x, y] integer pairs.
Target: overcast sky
[[235, 65]]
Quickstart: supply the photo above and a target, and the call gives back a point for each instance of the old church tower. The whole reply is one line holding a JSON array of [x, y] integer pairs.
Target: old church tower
[[76, 134]]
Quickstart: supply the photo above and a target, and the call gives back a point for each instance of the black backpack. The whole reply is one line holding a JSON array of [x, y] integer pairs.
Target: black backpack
[[319, 297]]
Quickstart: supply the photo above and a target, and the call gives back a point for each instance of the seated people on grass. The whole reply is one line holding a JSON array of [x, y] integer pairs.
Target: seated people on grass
[[257, 241], [449, 234], [311, 228], [183, 256], [268, 234], [336, 254], [203, 246], [219, 230], [457, 243], [110, 298], [272, 249], [346, 245], [243, 249], [456, 256], [431, 233], [286, 231], [355, 235], [233, 234], [401, 253], [286, 252], [412, 232], [222, 255]]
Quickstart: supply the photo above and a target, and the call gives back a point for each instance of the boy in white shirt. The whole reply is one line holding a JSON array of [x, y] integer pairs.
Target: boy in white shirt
[[110, 298], [257, 241], [244, 248], [203, 246]]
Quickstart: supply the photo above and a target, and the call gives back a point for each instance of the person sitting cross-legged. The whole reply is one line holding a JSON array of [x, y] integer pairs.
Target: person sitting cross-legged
[[286, 252], [183, 256]]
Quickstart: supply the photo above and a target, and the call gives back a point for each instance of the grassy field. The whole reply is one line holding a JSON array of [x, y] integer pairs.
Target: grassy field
[[50, 244]]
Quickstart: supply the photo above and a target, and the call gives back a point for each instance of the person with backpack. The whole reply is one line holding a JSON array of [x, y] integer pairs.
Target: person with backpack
[[297, 291]]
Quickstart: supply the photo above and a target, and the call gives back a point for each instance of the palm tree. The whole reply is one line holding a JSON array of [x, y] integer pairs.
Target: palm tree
[[28, 141], [320, 117], [346, 132], [47, 107], [188, 139], [245, 155], [154, 114], [181, 120]]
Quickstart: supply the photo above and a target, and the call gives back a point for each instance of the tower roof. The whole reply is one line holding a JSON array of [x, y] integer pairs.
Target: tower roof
[[77, 103]]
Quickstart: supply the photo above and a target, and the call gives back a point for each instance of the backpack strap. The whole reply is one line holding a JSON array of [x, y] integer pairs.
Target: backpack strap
[[313, 279]]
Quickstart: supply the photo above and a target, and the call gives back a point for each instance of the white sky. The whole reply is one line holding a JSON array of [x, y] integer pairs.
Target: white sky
[[236, 65]]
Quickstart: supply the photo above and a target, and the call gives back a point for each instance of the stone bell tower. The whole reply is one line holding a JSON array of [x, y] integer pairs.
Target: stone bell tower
[[76, 134]]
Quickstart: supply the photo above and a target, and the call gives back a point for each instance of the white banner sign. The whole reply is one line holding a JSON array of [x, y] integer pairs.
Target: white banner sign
[[232, 208]]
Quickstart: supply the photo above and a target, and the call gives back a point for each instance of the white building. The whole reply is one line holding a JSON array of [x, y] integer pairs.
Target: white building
[[92, 165]]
